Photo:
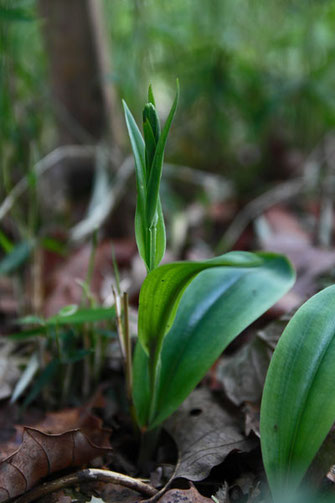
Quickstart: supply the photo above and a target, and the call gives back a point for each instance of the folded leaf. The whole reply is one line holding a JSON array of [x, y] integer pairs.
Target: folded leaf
[[157, 164], [162, 289], [298, 406], [216, 302]]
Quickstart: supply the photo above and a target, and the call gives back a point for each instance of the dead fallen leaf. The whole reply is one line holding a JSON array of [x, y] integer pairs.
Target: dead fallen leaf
[[41, 454], [284, 234], [205, 433], [243, 373], [184, 496], [9, 368]]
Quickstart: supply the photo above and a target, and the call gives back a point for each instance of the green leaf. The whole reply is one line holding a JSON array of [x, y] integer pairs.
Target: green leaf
[[45, 378], [157, 165], [298, 406], [140, 234], [151, 98], [16, 14], [160, 236], [28, 334], [89, 315], [138, 148], [162, 289], [16, 257], [150, 145], [5, 243], [150, 115], [217, 300]]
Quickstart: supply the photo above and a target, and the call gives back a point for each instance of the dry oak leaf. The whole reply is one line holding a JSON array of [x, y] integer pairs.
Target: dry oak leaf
[[41, 454]]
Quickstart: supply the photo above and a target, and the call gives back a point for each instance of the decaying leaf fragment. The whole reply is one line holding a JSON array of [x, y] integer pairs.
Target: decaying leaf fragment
[[205, 434], [41, 454]]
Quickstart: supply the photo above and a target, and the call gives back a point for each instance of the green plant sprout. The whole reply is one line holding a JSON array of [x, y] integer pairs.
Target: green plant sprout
[[298, 405], [149, 156], [188, 311]]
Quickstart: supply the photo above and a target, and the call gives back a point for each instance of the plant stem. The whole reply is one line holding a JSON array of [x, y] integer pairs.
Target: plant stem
[[149, 441], [127, 345]]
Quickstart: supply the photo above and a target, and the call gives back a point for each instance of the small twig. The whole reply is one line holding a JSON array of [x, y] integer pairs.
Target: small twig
[[50, 160], [84, 476], [281, 193]]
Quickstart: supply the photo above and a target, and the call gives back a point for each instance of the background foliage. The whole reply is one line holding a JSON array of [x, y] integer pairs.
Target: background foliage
[[257, 78]]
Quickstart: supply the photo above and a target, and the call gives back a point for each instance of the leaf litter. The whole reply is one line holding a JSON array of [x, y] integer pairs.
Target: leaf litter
[[205, 433]]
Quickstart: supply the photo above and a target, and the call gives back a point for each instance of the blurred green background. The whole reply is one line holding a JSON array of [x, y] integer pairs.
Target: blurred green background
[[257, 81]]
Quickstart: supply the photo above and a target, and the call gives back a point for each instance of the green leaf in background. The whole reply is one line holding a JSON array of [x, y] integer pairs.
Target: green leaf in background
[[76, 317], [44, 379], [298, 405], [19, 254], [16, 14], [216, 302]]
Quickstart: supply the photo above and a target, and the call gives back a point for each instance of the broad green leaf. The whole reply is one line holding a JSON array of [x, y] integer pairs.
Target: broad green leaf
[[16, 257], [298, 405], [163, 287], [216, 303], [157, 164], [89, 315]]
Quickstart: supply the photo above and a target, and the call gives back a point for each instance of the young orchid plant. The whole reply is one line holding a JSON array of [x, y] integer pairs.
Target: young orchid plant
[[188, 311]]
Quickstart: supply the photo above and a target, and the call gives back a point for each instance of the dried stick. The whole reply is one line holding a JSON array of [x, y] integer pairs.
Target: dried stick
[[84, 476]]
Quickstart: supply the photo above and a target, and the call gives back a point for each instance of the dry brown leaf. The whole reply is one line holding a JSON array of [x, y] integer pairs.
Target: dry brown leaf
[[285, 235], [41, 454], [205, 433]]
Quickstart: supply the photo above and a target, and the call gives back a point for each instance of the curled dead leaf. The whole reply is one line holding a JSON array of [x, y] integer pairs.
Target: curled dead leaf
[[41, 454]]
